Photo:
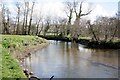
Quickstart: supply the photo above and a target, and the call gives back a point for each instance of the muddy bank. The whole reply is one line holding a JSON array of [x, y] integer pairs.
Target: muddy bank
[[30, 50], [21, 55]]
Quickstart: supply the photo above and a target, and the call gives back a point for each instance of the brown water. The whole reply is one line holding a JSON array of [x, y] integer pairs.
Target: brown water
[[68, 60]]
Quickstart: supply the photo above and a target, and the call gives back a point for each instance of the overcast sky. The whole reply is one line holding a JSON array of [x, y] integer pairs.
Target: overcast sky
[[55, 7]]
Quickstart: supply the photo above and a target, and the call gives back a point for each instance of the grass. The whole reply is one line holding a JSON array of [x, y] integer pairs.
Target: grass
[[10, 66]]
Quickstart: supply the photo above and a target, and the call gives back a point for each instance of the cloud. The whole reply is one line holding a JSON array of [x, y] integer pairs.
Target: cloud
[[99, 11], [56, 8]]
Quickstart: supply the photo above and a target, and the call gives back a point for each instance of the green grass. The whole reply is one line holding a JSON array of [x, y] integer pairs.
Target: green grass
[[87, 38], [10, 66]]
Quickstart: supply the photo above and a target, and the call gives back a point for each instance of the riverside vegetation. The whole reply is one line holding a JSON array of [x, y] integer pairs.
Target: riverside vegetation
[[87, 42], [10, 63]]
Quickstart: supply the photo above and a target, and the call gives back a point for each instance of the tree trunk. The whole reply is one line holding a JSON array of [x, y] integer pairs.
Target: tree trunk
[[41, 29], [26, 16], [92, 31], [29, 27], [18, 22]]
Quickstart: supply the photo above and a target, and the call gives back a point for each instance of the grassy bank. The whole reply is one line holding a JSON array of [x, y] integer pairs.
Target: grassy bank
[[13, 46]]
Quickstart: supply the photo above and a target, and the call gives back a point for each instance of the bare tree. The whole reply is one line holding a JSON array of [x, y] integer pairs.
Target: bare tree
[[31, 17], [83, 29], [79, 14], [14, 26], [41, 29], [23, 25], [47, 26], [114, 28], [1, 19], [37, 25], [56, 26], [91, 29], [5, 23], [118, 26], [8, 19], [18, 18], [62, 22], [26, 16], [103, 29], [69, 12]]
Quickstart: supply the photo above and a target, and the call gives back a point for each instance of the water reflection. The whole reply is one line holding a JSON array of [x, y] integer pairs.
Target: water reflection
[[70, 60]]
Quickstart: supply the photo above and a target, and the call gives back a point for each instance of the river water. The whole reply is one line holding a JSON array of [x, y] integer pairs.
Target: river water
[[69, 60]]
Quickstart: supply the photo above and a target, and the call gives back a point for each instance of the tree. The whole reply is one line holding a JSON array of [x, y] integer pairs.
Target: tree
[[5, 23], [79, 14], [114, 28], [31, 17], [41, 29], [1, 20], [26, 16], [18, 18], [14, 26], [91, 29], [62, 22], [83, 29], [37, 25], [24, 13], [47, 26], [69, 12], [118, 26], [103, 29]]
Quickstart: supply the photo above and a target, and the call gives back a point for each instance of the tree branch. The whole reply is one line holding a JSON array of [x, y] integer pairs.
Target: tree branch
[[86, 13], [80, 10], [75, 8]]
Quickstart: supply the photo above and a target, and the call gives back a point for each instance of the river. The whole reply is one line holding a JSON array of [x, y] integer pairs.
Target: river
[[69, 60]]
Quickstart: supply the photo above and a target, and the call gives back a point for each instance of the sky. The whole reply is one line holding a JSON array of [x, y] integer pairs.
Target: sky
[[56, 7]]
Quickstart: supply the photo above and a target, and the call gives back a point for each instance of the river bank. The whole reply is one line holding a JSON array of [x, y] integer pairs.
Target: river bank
[[15, 48], [88, 43]]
